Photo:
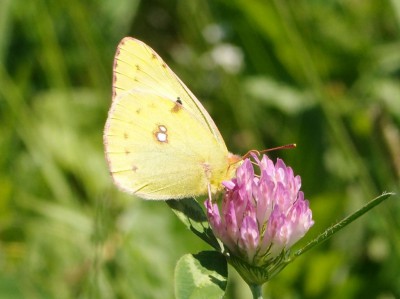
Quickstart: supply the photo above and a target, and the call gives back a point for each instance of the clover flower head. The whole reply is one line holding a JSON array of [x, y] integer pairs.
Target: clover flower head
[[262, 215]]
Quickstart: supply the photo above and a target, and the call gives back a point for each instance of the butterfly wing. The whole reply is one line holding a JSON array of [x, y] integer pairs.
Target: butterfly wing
[[159, 140], [139, 67], [157, 149]]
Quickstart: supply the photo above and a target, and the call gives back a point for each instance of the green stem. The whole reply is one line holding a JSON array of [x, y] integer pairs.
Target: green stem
[[338, 226], [256, 290]]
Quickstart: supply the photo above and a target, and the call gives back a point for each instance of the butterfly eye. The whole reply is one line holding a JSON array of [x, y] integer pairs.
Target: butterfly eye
[[179, 101]]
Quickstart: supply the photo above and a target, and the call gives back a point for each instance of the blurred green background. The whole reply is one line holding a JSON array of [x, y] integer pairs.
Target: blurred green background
[[322, 74]]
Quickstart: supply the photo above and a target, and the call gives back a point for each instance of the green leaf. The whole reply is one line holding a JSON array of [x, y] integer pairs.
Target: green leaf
[[192, 215], [202, 275]]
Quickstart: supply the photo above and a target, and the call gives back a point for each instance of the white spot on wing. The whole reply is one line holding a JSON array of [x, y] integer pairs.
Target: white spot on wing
[[161, 134], [162, 137]]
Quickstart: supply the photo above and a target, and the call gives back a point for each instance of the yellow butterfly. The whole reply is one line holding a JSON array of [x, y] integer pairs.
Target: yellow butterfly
[[160, 142]]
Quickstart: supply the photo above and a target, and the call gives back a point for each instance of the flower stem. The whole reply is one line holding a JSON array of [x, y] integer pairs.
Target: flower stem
[[256, 290], [338, 226]]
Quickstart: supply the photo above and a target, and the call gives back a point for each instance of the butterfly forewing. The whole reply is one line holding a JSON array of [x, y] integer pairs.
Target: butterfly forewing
[[168, 155], [139, 67]]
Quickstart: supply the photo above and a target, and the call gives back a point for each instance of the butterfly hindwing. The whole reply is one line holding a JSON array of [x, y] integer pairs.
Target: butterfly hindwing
[[168, 155]]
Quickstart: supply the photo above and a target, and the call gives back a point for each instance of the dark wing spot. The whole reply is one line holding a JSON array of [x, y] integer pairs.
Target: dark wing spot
[[164, 65], [134, 168], [153, 56], [137, 67], [177, 106], [127, 152], [138, 111], [126, 136]]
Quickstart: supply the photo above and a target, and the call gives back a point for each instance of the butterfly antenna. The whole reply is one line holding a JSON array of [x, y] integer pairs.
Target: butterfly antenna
[[258, 153]]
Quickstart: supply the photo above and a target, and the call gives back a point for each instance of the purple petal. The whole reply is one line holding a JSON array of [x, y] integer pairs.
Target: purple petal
[[249, 237]]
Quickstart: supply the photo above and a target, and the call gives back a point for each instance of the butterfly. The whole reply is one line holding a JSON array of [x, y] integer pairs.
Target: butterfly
[[160, 142]]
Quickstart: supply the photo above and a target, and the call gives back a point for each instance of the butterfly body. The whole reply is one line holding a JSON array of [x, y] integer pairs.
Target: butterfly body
[[160, 142]]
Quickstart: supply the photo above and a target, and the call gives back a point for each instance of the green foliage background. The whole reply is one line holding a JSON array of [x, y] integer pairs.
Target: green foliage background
[[322, 74]]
